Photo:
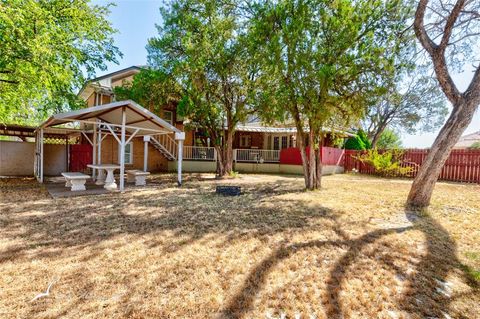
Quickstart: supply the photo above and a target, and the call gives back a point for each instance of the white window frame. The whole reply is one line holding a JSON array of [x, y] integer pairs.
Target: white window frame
[[128, 156], [164, 113], [245, 141]]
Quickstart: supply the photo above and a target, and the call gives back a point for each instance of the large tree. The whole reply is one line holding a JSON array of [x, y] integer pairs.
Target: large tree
[[448, 30], [45, 48], [153, 89], [416, 106], [321, 62], [201, 44]]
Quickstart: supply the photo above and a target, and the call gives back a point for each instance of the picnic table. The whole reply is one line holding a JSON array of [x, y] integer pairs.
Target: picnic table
[[108, 181]]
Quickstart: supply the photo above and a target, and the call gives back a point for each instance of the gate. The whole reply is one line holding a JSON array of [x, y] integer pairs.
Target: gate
[[80, 156]]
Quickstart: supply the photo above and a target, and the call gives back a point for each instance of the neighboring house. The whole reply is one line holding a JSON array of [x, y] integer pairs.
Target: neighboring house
[[468, 140], [253, 141]]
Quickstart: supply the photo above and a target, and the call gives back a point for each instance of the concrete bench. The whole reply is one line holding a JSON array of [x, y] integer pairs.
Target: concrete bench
[[137, 176], [75, 180]]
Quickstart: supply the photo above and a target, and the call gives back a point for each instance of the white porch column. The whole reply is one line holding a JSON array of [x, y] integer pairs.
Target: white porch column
[[94, 151], [35, 159], [99, 147], [41, 155], [122, 151], [180, 137], [146, 140]]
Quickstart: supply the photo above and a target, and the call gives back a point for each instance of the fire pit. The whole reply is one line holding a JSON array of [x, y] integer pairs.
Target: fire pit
[[229, 190]]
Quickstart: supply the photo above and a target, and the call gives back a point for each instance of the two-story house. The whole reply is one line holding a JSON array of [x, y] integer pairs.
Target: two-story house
[[254, 143]]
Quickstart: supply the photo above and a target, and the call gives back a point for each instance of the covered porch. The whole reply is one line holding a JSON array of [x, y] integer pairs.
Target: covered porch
[[257, 143], [124, 121]]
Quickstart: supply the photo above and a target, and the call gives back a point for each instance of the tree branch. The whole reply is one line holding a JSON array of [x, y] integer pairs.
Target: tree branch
[[419, 28], [9, 81], [452, 18], [436, 52]]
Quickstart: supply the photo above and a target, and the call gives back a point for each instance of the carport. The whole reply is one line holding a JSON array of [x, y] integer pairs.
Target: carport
[[123, 120]]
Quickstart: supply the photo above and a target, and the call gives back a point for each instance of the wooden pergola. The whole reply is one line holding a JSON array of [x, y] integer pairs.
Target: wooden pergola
[[123, 120]]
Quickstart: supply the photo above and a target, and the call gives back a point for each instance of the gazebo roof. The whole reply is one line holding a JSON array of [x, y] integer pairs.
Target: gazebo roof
[[137, 118]]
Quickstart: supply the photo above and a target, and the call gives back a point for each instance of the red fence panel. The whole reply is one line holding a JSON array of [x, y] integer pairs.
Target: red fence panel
[[330, 156], [292, 156], [80, 156], [461, 165]]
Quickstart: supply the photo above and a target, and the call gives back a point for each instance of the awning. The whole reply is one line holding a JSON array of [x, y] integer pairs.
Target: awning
[[257, 127]]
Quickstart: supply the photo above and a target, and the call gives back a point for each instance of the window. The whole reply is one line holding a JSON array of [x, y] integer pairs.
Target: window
[[245, 141], [280, 142], [128, 153], [168, 116], [284, 142], [276, 143], [269, 142]]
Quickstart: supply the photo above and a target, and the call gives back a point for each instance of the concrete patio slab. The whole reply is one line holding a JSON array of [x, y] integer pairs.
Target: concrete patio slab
[[58, 190]]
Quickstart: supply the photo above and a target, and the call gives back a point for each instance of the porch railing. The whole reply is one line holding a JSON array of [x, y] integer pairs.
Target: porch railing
[[199, 153], [256, 155]]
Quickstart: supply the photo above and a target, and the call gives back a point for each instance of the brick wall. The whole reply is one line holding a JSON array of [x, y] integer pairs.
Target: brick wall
[[256, 139], [156, 161]]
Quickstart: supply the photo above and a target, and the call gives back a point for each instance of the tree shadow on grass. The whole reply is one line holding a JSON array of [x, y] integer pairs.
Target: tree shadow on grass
[[43, 228], [423, 296], [426, 294], [242, 302], [60, 227]]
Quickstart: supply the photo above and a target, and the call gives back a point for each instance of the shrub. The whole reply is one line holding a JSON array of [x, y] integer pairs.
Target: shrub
[[389, 139], [387, 163], [234, 174], [475, 146], [358, 142]]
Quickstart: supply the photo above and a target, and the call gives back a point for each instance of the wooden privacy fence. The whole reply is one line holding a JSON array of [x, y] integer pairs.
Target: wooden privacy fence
[[461, 165], [330, 156]]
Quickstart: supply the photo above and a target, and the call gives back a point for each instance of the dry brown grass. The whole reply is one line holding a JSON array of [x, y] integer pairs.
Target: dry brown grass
[[347, 251]]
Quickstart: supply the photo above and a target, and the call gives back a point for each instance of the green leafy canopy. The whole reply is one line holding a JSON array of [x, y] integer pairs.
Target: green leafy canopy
[[203, 46], [46, 46], [322, 62]]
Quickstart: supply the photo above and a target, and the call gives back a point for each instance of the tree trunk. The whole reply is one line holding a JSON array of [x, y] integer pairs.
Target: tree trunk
[[225, 155], [303, 154], [377, 134], [312, 170], [318, 164], [464, 105], [312, 167], [228, 157], [220, 166], [422, 187]]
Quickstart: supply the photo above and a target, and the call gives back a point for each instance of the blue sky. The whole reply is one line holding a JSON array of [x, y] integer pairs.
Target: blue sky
[[135, 20]]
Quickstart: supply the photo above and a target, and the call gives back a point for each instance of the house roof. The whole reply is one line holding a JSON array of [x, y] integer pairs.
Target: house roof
[[122, 72], [89, 87], [467, 140], [261, 128], [29, 131], [137, 117]]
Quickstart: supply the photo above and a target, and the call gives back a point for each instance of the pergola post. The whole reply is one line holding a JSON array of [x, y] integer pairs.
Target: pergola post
[[41, 155], [122, 151], [146, 140], [180, 137], [66, 154], [99, 146], [94, 151], [35, 159]]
